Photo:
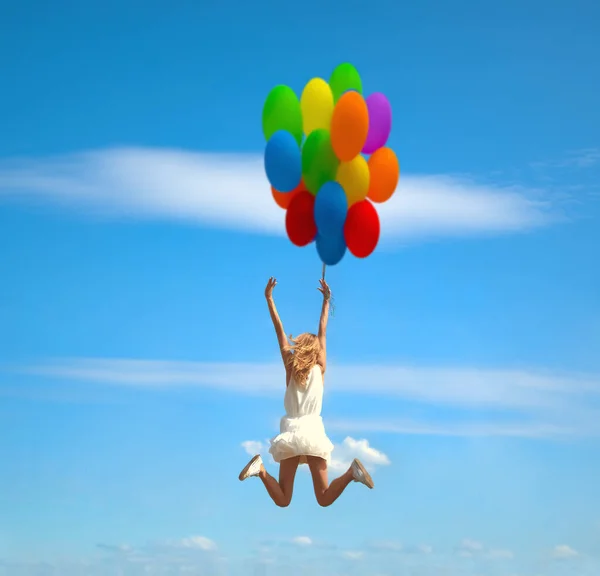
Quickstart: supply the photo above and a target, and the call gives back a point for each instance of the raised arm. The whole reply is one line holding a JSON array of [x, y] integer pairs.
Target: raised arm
[[322, 335], [281, 338]]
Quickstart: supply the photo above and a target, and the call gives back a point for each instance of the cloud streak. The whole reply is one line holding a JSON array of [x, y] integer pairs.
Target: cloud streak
[[504, 388], [458, 429], [231, 192], [513, 403]]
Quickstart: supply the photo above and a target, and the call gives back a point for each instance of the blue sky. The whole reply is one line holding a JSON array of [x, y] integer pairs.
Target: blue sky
[[138, 365]]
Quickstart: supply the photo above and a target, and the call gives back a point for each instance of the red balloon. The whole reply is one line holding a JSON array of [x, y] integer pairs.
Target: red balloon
[[362, 229], [300, 219]]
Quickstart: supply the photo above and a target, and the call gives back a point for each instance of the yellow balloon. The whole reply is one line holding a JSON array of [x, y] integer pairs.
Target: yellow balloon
[[354, 176], [316, 103]]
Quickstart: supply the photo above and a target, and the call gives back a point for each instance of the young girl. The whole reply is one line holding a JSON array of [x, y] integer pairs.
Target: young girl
[[303, 439]]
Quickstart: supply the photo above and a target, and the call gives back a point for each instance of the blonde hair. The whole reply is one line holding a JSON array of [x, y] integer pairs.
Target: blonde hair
[[305, 350]]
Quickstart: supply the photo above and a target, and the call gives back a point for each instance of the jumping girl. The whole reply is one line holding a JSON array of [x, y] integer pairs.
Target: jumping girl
[[303, 439]]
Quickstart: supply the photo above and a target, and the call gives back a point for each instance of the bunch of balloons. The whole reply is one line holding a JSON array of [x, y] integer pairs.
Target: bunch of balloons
[[315, 161]]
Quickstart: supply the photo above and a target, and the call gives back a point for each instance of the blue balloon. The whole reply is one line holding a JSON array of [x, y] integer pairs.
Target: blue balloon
[[283, 161], [331, 249], [331, 208]]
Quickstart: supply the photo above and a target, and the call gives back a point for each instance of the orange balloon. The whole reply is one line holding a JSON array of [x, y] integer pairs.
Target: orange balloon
[[349, 126], [385, 173], [283, 199]]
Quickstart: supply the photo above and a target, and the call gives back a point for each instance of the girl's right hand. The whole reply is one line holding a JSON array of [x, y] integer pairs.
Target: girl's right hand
[[324, 289], [269, 289]]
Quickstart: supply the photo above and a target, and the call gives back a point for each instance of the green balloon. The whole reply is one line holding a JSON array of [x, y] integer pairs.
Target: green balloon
[[282, 112], [319, 162], [344, 77]]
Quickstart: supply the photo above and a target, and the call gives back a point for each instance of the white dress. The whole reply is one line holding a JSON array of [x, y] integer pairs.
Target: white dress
[[301, 429]]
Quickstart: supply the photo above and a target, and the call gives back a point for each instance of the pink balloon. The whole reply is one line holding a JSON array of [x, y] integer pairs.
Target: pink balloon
[[380, 122]]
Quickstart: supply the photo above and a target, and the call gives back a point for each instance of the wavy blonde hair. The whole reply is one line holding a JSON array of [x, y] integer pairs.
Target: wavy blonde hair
[[305, 350]]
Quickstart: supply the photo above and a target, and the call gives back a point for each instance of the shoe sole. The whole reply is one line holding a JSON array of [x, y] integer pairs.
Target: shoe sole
[[243, 473], [368, 480]]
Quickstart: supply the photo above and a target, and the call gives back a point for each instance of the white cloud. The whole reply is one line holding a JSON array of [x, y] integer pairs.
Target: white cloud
[[562, 551], [344, 453], [197, 542], [527, 403], [302, 541], [231, 191], [253, 447]]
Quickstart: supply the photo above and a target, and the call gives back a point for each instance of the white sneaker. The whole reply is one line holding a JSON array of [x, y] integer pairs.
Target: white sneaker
[[360, 474], [252, 468]]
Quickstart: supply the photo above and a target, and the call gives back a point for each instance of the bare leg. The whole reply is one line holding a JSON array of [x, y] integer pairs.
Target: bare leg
[[327, 494], [281, 492]]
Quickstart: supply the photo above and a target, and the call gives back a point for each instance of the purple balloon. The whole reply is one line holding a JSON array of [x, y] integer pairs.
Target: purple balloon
[[380, 122]]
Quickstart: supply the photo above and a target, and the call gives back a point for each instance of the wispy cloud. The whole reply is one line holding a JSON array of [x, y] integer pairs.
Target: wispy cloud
[[569, 179], [196, 543], [564, 552], [582, 158], [501, 554], [231, 191], [193, 555], [353, 554], [469, 548], [386, 546], [189, 543], [116, 548], [392, 546], [525, 403]]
